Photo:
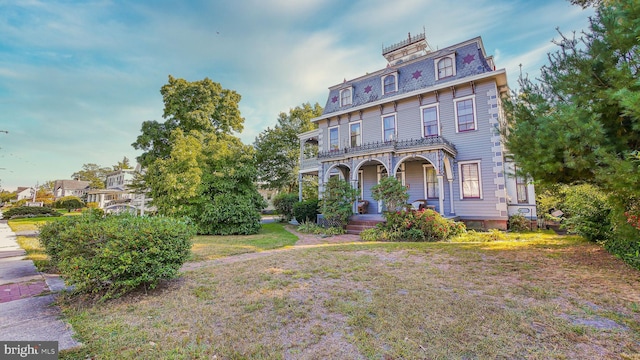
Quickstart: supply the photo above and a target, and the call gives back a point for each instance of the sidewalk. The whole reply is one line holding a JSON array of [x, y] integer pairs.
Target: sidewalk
[[24, 315]]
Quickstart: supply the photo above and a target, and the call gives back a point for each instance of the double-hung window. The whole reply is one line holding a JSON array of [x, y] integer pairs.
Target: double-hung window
[[389, 127], [470, 181], [465, 114], [355, 134], [430, 121], [431, 182], [334, 139]]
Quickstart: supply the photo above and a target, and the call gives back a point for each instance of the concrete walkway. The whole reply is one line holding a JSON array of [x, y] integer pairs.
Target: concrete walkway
[[27, 312]]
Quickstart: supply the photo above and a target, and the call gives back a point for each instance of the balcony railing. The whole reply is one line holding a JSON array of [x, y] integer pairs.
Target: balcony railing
[[393, 145], [309, 163]]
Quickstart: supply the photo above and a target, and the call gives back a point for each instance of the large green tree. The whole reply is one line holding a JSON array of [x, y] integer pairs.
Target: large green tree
[[196, 167], [278, 149], [580, 123], [201, 106], [94, 173]]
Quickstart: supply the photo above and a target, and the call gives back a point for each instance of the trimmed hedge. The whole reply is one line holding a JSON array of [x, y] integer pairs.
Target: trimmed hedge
[[306, 211], [28, 211], [116, 254]]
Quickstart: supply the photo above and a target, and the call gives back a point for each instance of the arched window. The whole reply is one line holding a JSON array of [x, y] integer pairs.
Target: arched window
[[445, 67], [345, 97], [390, 84]]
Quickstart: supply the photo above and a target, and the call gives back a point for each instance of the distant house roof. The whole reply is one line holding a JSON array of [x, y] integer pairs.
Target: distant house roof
[[416, 74], [22, 188], [71, 184]]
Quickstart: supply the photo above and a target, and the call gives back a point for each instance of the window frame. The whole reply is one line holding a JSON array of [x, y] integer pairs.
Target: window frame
[[478, 164], [436, 66], [342, 102], [473, 113], [337, 128], [435, 106], [436, 195], [521, 182], [395, 127], [359, 123], [395, 86]]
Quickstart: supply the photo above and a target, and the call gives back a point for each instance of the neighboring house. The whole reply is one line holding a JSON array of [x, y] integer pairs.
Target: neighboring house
[[118, 197], [62, 188], [24, 193], [430, 118]]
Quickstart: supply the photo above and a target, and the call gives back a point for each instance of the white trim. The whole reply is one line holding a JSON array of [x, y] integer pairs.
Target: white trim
[[359, 122], [451, 56], [350, 88], [395, 76], [422, 108], [475, 115], [329, 136], [460, 178], [395, 125]]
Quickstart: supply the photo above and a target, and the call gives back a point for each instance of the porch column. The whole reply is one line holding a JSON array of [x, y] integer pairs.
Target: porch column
[[354, 206], [453, 211], [299, 186], [441, 194]]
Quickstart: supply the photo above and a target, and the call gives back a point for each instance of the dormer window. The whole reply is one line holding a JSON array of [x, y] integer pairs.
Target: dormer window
[[390, 83], [445, 66], [345, 97]]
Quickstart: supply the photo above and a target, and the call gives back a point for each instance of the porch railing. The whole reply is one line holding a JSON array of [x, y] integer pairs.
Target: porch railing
[[393, 145]]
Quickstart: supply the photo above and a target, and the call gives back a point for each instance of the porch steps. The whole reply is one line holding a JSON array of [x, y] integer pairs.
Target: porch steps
[[356, 226]]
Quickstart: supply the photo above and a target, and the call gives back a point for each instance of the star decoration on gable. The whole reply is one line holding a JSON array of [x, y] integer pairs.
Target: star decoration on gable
[[417, 74], [469, 58], [367, 89], [334, 99]]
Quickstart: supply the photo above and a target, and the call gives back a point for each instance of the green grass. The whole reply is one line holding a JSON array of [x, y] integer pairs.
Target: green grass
[[506, 299], [271, 236], [35, 252], [26, 224]]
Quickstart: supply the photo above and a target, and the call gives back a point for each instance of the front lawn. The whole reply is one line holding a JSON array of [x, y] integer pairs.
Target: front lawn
[[549, 297], [271, 236]]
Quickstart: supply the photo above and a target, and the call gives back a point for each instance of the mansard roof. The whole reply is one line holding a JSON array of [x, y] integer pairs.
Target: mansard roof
[[412, 76]]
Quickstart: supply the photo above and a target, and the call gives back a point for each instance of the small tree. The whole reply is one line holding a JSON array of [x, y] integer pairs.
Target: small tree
[[69, 202], [337, 201], [391, 192]]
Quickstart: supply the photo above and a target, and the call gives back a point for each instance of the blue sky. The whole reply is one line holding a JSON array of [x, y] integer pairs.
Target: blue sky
[[78, 78]]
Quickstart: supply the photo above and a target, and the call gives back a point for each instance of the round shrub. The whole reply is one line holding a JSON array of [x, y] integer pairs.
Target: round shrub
[[116, 254], [28, 211], [519, 223], [306, 211], [283, 203]]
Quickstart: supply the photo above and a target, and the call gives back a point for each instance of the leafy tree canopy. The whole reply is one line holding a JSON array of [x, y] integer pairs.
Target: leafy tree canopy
[[94, 173], [122, 165], [201, 106], [195, 166], [581, 121], [278, 149]]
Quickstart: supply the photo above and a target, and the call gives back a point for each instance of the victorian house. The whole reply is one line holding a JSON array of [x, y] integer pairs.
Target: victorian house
[[431, 118]]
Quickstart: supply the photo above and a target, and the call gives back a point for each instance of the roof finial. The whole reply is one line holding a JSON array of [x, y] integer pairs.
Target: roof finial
[[409, 36]]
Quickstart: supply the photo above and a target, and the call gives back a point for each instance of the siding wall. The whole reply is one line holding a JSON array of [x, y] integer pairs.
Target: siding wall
[[481, 145]]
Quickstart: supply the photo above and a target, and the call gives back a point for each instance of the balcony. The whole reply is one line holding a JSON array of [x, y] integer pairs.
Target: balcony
[[395, 146]]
